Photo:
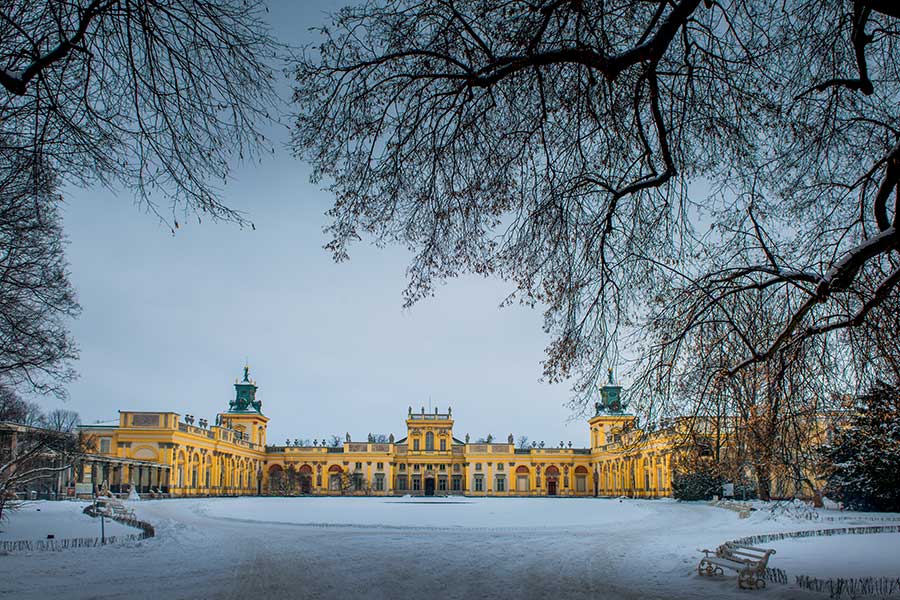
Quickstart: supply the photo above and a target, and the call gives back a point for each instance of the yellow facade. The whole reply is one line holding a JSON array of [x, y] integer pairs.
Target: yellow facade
[[176, 457]]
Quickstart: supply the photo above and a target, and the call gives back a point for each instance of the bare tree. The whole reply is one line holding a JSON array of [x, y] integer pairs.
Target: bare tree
[[598, 153], [29, 454], [153, 95], [14, 409], [62, 420], [522, 443], [760, 421], [36, 298]]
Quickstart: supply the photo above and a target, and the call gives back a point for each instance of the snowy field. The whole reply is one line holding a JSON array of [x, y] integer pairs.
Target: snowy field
[[433, 548], [36, 520]]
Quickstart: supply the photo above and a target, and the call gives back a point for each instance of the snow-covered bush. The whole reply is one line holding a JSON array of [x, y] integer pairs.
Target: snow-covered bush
[[862, 459], [700, 484]]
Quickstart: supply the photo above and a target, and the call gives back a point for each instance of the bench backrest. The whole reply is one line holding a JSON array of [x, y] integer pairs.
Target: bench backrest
[[758, 558]]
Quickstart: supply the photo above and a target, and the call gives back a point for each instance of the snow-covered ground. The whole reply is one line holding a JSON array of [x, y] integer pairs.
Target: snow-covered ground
[[876, 555], [430, 548], [38, 519]]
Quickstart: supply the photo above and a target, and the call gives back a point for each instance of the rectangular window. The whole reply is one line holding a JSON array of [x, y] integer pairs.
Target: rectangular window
[[457, 483], [415, 444], [479, 483], [659, 477], [456, 468], [499, 466], [402, 467], [477, 466], [580, 483], [401, 482], [359, 465], [416, 483], [415, 467], [379, 466], [443, 445], [500, 483], [105, 445], [442, 484], [442, 467], [379, 482]]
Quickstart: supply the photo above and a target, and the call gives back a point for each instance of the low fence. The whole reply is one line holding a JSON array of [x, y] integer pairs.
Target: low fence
[[65, 544], [146, 528], [786, 535], [838, 587], [54, 545], [835, 587]]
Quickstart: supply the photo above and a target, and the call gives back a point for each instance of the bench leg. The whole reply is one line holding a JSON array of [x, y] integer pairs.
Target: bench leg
[[750, 581], [709, 569]]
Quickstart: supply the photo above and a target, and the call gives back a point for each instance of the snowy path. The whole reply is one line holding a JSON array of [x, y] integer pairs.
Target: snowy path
[[373, 548]]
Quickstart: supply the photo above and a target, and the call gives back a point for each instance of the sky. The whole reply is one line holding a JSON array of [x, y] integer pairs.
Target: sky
[[169, 320]]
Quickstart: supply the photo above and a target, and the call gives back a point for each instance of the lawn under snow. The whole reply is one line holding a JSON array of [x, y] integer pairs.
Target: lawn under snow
[[40, 518], [433, 548]]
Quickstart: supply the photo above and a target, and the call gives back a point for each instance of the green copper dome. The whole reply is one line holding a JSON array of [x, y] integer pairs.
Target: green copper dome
[[610, 398], [245, 396]]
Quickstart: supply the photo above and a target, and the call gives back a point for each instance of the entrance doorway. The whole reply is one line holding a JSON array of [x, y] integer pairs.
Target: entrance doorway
[[306, 473], [429, 486], [552, 475]]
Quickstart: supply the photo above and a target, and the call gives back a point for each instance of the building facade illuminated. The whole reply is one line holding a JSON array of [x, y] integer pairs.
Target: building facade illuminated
[[163, 453]]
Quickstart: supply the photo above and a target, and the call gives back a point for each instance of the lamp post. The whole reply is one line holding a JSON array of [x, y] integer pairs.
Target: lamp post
[[102, 521]]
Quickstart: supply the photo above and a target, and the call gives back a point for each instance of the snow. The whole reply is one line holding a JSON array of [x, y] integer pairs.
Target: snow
[[876, 555], [432, 512], [435, 548], [37, 519]]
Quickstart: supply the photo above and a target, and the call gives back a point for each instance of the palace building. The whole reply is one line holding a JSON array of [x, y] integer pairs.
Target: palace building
[[163, 453]]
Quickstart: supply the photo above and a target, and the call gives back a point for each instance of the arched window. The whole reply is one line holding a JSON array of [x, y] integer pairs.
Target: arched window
[[429, 441]]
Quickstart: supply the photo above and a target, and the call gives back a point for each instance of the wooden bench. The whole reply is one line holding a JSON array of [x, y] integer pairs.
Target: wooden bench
[[749, 562]]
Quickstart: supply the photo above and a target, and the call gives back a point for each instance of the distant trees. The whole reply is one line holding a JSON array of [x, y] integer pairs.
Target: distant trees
[[16, 410], [62, 420], [861, 461], [34, 448], [522, 442], [623, 164]]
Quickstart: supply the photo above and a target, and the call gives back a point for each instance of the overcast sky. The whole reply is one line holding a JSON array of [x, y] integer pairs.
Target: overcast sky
[[168, 320]]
